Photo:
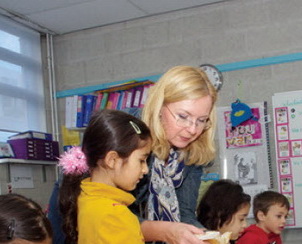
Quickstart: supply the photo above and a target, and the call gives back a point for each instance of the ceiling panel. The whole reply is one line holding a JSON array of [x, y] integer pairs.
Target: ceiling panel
[[86, 15], [34, 6], [64, 16], [160, 6]]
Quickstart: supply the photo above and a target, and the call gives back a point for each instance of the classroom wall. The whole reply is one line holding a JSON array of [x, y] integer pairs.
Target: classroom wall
[[221, 33]]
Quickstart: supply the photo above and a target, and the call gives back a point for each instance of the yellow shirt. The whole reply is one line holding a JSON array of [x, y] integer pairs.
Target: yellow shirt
[[103, 215]]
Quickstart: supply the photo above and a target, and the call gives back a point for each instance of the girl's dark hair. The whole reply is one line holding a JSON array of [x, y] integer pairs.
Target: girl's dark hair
[[22, 218], [108, 130], [264, 200], [220, 202]]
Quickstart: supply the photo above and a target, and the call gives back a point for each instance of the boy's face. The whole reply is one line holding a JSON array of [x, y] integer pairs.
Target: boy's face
[[275, 219]]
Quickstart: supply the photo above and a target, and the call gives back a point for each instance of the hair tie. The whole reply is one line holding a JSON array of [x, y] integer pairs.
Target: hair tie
[[135, 127], [73, 162], [11, 229]]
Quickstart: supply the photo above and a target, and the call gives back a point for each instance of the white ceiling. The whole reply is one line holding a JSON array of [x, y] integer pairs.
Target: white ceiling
[[64, 16]]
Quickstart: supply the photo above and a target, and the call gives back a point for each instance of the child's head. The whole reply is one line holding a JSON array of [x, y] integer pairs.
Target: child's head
[[23, 221], [113, 130], [114, 136], [224, 207], [270, 211]]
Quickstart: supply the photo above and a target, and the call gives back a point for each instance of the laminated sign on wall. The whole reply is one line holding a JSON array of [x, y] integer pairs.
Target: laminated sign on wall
[[244, 148], [287, 109]]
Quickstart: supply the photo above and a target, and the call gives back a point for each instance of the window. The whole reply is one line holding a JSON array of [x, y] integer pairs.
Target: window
[[21, 83]]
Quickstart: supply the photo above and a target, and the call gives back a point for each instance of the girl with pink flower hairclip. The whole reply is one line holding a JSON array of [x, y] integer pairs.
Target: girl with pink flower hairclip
[[94, 195]]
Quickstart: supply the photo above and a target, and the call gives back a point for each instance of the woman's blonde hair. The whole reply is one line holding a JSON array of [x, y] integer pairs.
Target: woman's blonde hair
[[177, 84]]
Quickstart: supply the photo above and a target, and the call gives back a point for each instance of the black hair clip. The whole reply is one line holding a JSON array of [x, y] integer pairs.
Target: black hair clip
[[11, 229]]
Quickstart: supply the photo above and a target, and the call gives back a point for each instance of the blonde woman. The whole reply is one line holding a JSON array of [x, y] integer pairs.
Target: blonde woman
[[180, 112]]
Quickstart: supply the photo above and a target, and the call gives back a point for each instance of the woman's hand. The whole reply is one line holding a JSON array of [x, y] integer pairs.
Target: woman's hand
[[171, 232]]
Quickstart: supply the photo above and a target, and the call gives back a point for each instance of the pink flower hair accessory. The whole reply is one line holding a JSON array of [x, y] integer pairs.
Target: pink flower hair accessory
[[73, 162]]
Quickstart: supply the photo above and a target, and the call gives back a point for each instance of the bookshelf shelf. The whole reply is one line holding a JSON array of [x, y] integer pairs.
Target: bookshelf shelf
[[104, 86], [125, 86], [79, 129], [24, 161]]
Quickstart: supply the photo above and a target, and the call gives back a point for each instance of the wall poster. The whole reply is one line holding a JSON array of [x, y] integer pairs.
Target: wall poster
[[247, 134], [287, 108], [21, 176], [244, 149]]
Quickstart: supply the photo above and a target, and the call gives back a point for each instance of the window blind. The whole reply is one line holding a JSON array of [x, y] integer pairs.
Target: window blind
[[21, 82]]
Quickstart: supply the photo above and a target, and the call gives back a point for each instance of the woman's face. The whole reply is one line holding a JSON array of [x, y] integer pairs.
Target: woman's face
[[184, 121]]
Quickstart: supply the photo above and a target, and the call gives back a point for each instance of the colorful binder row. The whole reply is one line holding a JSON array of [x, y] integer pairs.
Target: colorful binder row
[[79, 108]]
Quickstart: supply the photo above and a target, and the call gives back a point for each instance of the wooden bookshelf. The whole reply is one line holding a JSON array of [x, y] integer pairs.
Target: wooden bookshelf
[[126, 86]]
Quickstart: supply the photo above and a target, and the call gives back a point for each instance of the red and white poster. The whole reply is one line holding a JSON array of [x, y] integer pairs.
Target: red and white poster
[[247, 134]]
